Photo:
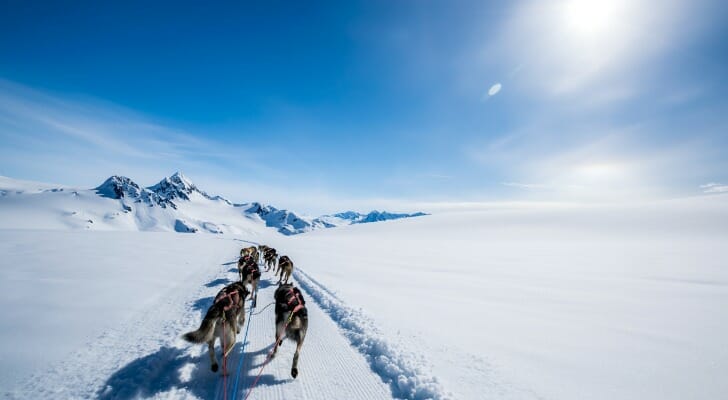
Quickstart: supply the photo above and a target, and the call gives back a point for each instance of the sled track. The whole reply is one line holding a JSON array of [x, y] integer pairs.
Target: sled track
[[405, 372], [329, 368], [145, 357], [343, 356]]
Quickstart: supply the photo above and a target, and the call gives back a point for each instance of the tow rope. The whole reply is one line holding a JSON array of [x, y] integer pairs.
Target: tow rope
[[242, 355], [275, 346]]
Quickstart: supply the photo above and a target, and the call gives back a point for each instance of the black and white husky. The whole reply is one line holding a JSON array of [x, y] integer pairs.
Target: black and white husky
[[285, 268], [291, 320], [224, 319]]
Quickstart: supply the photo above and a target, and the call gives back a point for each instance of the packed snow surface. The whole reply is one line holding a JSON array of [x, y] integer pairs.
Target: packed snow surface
[[544, 301], [100, 314], [505, 301]]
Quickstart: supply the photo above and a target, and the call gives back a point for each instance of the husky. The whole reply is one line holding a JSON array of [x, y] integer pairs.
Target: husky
[[223, 320], [291, 320], [269, 258], [249, 251], [262, 249], [285, 268], [242, 262], [250, 275]]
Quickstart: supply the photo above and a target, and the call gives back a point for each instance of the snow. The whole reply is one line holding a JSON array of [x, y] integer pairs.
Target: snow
[[552, 301], [406, 373], [100, 314], [174, 204], [500, 300]]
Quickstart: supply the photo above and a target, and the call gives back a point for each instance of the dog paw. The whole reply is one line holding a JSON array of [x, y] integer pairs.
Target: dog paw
[[294, 372], [214, 367]]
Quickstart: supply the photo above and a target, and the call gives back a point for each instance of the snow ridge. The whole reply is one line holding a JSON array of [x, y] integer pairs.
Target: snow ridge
[[406, 373], [287, 222], [173, 204]]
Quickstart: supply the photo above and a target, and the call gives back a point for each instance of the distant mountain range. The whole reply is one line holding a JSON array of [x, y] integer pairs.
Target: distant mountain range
[[173, 204]]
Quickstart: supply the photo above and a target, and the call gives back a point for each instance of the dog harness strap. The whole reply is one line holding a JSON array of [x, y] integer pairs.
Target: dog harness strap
[[231, 296]]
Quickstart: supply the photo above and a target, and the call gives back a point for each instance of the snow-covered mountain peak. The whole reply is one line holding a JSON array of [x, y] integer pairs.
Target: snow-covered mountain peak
[[117, 187], [176, 186], [348, 215], [121, 187], [173, 204]]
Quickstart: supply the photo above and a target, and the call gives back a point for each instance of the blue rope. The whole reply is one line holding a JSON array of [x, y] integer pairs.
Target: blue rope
[[242, 356]]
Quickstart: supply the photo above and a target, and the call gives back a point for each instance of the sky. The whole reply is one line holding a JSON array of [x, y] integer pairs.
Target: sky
[[326, 106]]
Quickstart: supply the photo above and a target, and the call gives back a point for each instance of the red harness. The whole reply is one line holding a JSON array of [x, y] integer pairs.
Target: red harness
[[234, 299], [294, 296]]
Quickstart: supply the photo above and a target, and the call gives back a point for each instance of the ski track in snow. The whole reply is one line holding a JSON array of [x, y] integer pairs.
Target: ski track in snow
[[145, 357], [405, 372]]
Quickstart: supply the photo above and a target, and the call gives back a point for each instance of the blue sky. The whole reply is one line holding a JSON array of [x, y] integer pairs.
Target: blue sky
[[328, 106]]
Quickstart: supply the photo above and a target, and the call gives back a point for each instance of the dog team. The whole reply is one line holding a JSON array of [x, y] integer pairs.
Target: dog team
[[225, 318]]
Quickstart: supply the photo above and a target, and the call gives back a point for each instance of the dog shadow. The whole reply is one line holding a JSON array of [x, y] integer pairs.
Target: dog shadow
[[166, 369], [173, 369], [203, 304], [265, 283], [251, 370], [231, 262], [233, 270], [218, 282]]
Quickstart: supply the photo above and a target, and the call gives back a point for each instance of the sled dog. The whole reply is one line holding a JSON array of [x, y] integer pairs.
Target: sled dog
[[285, 268], [269, 258], [250, 275], [223, 320], [291, 320]]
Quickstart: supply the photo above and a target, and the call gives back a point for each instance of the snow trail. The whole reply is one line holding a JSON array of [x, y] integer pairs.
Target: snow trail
[[146, 358], [328, 366], [405, 372]]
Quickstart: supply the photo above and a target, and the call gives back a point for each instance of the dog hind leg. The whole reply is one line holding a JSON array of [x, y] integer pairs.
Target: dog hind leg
[[279, 337], [211, 351], [301, 334]]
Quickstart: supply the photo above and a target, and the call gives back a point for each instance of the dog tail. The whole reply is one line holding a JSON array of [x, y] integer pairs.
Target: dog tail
[[207, 327]]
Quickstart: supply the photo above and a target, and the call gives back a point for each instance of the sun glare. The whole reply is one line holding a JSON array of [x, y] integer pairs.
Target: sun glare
[[594, 171], [590, 17]]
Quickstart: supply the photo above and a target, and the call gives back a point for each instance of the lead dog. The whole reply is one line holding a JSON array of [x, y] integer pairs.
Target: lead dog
[[291, 320], [285, 268], [249, 251], [261, 252], [223, 320]]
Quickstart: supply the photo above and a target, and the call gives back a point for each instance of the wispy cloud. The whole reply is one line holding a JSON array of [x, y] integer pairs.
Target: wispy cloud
[[78, 141], [713, 187], [526, 186]]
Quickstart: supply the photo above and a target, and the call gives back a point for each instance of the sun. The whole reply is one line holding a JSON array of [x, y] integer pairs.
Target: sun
[[591, 18]]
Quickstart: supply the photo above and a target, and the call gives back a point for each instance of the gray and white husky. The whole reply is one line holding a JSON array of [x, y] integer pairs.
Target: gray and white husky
[[291, 320], [223, 320]]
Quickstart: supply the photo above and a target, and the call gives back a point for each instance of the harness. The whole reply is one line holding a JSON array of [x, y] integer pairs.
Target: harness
[[233, 297], [251, 269], [294, 296]]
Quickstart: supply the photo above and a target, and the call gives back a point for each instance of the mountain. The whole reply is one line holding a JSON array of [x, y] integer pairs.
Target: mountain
[[173, 204], [374, 216]]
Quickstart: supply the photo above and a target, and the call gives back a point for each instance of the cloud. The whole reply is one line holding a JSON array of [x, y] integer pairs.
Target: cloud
[[76, 141], [80, 141], [494, 89], [526, 186], [713, 187]]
